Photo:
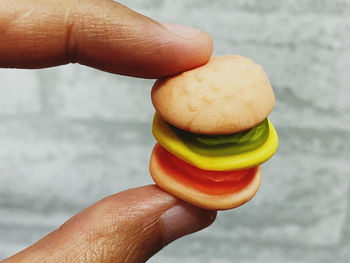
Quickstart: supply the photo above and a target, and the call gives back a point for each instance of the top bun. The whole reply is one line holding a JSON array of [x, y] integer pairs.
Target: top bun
[[229, 94]]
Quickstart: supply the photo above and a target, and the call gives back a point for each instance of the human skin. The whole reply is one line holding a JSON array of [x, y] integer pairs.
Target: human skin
[[133, 225]]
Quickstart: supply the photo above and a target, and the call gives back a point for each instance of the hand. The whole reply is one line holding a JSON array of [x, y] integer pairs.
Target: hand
[[132, 225]]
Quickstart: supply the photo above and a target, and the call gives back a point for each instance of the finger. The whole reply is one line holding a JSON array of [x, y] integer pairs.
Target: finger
[[127, 227], [97, 33]]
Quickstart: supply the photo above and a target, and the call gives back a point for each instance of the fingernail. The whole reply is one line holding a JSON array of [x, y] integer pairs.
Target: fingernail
[[182, 31], [183, 219]]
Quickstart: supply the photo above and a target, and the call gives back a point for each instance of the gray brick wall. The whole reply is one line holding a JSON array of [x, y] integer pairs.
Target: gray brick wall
[[68, 135]]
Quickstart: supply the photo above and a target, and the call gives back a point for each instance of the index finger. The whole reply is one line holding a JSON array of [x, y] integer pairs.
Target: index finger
[[101, 34]]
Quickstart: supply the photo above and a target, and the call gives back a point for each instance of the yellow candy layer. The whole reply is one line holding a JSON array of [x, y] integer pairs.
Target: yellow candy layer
[[171, 142]]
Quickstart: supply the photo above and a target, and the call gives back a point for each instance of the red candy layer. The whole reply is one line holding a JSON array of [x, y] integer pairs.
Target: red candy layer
[[209, 182]]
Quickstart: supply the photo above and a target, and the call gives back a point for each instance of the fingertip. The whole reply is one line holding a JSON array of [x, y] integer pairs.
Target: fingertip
[[182, 31], [183, 219], [184, 48]]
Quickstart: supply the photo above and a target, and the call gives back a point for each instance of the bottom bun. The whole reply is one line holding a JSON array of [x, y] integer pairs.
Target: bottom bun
[[206, 189]]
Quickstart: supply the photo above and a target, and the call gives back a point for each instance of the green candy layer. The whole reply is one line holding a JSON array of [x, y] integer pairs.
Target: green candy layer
[[220, 145]]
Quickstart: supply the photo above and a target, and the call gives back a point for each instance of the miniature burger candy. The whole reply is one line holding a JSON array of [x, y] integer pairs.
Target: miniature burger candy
[[212, 132]]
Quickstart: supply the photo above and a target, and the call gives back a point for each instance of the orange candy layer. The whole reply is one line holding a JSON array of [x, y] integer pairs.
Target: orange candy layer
[[209, 182]]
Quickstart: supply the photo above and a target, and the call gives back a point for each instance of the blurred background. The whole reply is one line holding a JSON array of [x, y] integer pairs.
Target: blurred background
[[71, 135]]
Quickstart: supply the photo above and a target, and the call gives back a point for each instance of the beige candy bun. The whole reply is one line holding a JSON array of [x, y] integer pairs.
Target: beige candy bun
[[228, 94]]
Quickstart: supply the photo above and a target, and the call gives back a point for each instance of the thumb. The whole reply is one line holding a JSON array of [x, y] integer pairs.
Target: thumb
[[97, 33], [126, 227]]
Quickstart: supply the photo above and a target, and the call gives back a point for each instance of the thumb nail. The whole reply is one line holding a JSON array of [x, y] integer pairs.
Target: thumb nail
[[183, 219], [182, 31]]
